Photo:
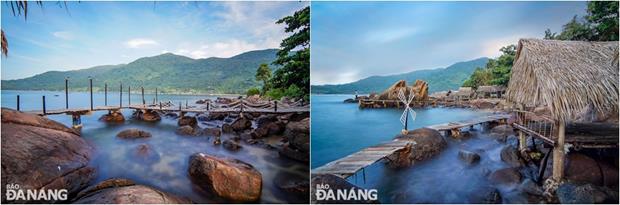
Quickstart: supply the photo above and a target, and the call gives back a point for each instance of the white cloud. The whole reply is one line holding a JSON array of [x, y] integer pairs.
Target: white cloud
[[65, 35], [140, 42], [218, 49], [388, 35]]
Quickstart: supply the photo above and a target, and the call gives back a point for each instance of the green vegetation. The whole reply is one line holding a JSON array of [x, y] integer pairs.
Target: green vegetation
[[253, 91], [449, 78], [600, 24], [496, 71], [168, 72], [293, 79]]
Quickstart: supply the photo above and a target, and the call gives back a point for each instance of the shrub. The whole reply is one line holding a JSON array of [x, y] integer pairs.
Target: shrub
[[253, 91]]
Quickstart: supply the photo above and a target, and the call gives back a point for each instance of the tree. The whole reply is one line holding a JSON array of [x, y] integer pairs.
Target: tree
[[496, 72], [263, 73], [603, 15], [294, 56]]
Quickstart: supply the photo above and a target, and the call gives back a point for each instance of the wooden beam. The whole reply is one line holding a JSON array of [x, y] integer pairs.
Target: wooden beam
[[558, 154]]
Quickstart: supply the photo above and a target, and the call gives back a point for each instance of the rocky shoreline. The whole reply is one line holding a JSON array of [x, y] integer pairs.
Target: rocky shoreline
[[26, 152]]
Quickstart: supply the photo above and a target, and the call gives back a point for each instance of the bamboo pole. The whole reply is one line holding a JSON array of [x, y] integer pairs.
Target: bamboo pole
[[558, 154]]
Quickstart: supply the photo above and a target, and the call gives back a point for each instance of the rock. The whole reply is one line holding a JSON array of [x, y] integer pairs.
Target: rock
[[133, 133], [217, 140], [293, 185], [146, 115], [334, 183], [569, 193], [505, 176], [227, 178], [226, 128], [530, 187], [221, 100], [124, 191], [187, 120], [241, 124], [39, 153], [503, 130], [231, 145], [188, 131], [485, 195], [264, 119], [216, 116], [144, 153], [580, 168], [298, 134], [291, 152], [171, 115], [260, 132], [469, 157], [481, 104], [213, 131], [428, 144], [350, 100], [510, 155], [113, 117]]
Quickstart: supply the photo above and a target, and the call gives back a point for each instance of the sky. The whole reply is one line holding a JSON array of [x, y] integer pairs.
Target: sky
[[355, 40], [87, 34]]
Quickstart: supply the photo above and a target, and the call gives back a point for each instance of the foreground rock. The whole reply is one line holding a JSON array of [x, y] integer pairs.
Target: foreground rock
[[468, 157], [241, 124], [187, 120], [428, 143], [569, 193], [510, 155], [188, 131], [133, 133], [38, 153], [297, 135], [231, 145], [506, 176], [113, 117], [227, 178], [216, 132], [124, 191], [146, 115], [335, 183], [502, 131]]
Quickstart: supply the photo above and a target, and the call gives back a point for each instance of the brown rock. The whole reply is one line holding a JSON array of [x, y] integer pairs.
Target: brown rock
[[428, 143], [510, 155], [241, 124], [291, 152], [582, 169], [298, 134], [231, 145], [226, 128], [38, 153], [212, 131], [227, 178], [113, 117], [469, 157], [133, 133], [147, 115], [188, 131], [187, 120], [124, 191], [506, 176]]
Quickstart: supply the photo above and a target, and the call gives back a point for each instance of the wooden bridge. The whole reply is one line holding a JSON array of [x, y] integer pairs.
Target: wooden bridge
[[351, 164]]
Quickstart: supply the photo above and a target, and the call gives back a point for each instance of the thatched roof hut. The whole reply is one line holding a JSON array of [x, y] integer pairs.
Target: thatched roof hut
[[464, 92], [490, 89], [566, 76]]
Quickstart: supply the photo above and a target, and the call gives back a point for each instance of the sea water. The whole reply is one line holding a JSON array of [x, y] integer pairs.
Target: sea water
[[340, 129], [114, 157]]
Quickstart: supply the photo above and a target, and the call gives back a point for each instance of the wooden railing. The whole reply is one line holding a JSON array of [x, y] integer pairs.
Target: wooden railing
[[536, 125]]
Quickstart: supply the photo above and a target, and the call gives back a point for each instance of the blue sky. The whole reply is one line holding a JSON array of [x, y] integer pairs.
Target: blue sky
[[354, 40], [103, 33]]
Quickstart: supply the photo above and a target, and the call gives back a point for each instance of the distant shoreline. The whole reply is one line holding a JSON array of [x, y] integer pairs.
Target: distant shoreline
[[138, 92]]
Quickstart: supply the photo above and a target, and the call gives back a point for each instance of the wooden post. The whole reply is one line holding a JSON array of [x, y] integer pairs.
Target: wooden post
[[208, 105], [186, 107], [143, 102], [105, 94], [120, 104], [129, 97], [156, 100], [17, 102], [558, 154], [406, 120], [44, 112], [66, 93], [275, 106], [91, 92], [522, 141], [159, 105]]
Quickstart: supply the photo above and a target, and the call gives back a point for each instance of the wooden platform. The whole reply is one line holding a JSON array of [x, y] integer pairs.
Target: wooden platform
[[351, 164], [467, 123], [170, 109]]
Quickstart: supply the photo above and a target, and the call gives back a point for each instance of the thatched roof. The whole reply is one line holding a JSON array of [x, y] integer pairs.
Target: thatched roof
[[490, 89], [566, 76], [464, 91]]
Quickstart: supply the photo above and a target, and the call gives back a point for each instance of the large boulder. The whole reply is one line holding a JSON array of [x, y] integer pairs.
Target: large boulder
[[569, 193], [241, 124], [133, 133], [581, 168], [187, 120], [505, 176], [230, 179], [124, 191], [510, 155], [113, 117], [146, 115], [298, 134], [428, 143], [292, 152], [39, 153], [335, 183]]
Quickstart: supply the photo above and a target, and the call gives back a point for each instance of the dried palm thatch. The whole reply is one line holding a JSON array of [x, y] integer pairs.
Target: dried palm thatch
[[566, 76], [5, 44], [490, 89], [464, 92]]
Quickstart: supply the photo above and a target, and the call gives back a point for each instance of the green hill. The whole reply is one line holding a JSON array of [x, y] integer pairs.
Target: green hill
[[168, 72], [439, 79]]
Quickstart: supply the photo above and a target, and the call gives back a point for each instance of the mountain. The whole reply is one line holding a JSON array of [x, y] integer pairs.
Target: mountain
[[168, 72], [439, 79]]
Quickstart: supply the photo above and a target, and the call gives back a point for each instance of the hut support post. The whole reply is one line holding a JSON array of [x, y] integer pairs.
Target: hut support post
[[105, 94], [90, 80], [17, 102], [120, 102], [66, 93], [142, 92], [522, 141], [558, 154]]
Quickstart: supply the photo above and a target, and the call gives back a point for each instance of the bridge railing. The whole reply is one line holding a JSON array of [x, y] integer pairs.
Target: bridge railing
[[537, 125]]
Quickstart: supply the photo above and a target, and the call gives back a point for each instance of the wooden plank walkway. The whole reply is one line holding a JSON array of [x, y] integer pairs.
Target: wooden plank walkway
[[351, 164], [280, 110]]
